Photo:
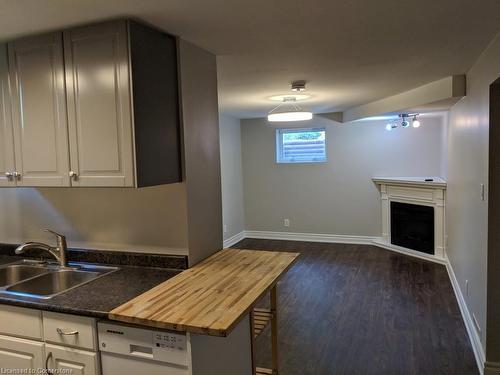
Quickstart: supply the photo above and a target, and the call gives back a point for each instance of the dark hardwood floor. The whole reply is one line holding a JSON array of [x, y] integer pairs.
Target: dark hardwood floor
[[358, 309]]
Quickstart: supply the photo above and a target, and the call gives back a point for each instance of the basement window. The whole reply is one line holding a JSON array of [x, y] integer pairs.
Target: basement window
[[301, 145]]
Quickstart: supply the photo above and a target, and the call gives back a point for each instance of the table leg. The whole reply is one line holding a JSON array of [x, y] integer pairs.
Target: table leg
[[274, 329]]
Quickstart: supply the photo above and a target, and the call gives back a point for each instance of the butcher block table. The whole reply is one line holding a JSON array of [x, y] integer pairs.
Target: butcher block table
[[214, 295]]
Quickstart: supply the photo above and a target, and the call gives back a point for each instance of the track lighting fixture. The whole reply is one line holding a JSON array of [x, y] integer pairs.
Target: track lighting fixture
[[404, 123]]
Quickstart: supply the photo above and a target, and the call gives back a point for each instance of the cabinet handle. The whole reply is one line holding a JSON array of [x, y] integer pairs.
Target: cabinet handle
[[70, 333], [73, 175], [9, 175], [16, 175], [49, 371]]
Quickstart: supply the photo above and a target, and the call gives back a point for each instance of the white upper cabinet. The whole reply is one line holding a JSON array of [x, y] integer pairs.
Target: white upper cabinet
[[7, 166], [92, 106], [39, 110], [99, 105]]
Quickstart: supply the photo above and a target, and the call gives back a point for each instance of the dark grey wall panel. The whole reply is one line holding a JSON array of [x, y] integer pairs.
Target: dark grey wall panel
[[156, 105]]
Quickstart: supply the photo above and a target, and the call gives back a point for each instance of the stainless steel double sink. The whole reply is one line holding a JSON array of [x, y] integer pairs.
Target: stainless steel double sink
[[34, 279]]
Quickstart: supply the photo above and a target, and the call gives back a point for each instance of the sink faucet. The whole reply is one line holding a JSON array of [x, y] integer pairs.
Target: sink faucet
[[59, 252]]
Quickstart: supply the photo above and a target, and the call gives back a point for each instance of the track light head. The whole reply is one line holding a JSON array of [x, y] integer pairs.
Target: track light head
[[391, 126], [415, 123], [404, 120]]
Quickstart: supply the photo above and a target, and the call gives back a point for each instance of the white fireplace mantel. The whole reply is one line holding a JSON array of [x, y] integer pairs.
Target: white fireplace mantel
[[437, 182], [414, 190]]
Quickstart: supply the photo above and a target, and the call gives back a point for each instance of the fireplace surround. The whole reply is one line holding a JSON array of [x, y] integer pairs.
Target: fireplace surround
[[413, 215]]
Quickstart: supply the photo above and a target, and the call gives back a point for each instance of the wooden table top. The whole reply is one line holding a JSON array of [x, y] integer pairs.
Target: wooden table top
[[211, 297]]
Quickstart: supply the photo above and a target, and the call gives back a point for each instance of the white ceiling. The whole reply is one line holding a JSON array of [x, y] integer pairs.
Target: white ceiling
[[350, 51]]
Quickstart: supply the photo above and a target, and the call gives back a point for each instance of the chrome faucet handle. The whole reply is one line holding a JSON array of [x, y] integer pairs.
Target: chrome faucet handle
[[59, 252], [61, 240], [53, 232]]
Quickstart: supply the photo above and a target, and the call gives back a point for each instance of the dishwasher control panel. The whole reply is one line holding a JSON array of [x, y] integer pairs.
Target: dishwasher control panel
[[153, 344], [169, 340]]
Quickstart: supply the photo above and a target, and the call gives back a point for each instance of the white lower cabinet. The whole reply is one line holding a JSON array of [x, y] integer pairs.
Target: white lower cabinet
[[21, 322], [32, 341], [70, 330], [77, 362], [17, 354], [22, 355], [68, 344]]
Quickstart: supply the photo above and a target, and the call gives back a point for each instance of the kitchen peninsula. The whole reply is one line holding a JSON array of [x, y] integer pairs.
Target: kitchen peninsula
[[215, 298], [201, 314]]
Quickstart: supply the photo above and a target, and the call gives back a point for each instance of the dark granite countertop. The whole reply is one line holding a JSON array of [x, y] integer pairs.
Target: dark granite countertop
[[99, 296]]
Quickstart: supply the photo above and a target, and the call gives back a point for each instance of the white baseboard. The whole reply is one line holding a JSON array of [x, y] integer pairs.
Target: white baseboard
[[310, 237], [402, 250], [234, 239], [475, 341]]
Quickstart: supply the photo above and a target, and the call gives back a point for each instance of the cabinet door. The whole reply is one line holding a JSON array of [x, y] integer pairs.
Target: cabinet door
[[6, 140], [18, 353], [79, 362], [39, 110], [99, 105]]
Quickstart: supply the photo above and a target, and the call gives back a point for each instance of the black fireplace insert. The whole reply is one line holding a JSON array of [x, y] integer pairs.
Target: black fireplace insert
[[412, 226]]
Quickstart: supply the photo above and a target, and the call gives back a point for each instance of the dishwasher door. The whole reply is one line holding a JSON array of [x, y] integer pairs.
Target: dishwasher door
[[131, 350], [113, 364]]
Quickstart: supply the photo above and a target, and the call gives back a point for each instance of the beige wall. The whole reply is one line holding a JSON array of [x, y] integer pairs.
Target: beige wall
[[150, 219], [337, 197], [468, 168], [232, 179], [200, 116]]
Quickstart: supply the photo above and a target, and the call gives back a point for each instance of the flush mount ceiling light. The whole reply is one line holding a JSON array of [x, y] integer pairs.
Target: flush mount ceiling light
[[288, 110]]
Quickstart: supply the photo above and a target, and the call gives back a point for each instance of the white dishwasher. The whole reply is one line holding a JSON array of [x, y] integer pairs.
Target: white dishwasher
[[131, 350]]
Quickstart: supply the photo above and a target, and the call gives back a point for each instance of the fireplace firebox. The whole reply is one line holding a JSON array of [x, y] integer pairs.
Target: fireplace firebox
[[412, 226]]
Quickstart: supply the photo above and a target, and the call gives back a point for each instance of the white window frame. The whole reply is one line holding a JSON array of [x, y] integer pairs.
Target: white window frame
[[279, 145]]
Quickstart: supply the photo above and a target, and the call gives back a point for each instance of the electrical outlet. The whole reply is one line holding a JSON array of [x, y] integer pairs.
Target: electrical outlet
[[225, 228], [467, 288], [286, 222], [482, 192]]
